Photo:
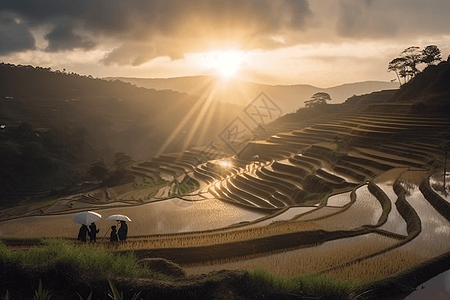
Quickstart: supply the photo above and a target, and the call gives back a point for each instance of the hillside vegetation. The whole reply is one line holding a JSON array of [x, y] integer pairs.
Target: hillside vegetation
[[54, 124]]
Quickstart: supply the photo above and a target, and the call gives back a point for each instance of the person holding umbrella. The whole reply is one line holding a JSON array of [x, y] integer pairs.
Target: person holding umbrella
[[113, 237], [93, 232], [123, 231], [82, 233], [84, 218]]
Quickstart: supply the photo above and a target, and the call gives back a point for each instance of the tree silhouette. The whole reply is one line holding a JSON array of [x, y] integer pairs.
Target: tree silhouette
[[413, 56], [405, 66], [121, 160], [98, 169], [397, 65], [318, 99], [431, 54]]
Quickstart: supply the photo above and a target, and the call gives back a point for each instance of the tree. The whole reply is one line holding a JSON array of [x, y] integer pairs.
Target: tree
[[397, 65], [121, 160], [98, 169], [431, 54], [318, 99], [405, 66], [413, 56]]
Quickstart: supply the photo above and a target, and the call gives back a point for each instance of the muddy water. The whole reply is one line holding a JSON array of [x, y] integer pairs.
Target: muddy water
[[437, 184], [169, 216], [435, 236], [395, 222], [365, 211], [339, 200], [287, 215]]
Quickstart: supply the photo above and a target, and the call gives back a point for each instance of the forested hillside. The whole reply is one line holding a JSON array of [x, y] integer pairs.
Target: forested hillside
[[54, 125]]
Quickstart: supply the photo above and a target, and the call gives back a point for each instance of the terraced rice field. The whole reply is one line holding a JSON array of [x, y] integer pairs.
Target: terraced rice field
[[349, 195]]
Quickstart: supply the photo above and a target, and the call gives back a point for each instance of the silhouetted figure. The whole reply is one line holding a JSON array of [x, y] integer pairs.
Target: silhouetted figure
[[82, 233], [113, 237], [123, 231], [93, 232]]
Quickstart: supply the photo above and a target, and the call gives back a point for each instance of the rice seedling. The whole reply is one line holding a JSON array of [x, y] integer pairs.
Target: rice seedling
[[304, 260], [262, 284], [387, 264], [431, 242], [213, 237]]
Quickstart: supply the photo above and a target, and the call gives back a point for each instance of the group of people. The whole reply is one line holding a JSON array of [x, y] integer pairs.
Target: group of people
[[115, 236]]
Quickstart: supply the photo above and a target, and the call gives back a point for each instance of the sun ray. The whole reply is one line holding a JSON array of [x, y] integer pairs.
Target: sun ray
[[199, 119], [183, 122]]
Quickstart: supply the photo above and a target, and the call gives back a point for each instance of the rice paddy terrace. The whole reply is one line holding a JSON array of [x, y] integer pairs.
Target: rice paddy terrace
[[353, 195]]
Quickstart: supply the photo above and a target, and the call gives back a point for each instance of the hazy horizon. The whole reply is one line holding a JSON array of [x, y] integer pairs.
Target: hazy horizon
[[322, 43]]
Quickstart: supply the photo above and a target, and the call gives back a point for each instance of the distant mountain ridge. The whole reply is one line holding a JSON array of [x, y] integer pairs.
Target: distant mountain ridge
[[288, 97]]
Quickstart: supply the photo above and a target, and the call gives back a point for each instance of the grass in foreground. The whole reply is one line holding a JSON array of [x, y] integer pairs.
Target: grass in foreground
[[95, 263], [263, 283], [92, 260]]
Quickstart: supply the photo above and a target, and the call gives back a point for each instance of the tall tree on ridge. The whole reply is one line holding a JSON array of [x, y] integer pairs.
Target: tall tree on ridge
[[431, 54], [413, 56], [397, 65]]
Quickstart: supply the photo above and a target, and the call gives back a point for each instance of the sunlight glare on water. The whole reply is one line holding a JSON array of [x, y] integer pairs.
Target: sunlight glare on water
[[154, 218], [339, 199]]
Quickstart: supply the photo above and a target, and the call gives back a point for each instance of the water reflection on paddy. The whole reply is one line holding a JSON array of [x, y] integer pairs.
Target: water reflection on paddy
[[437, 184], [168, 216], [434, 238], [286, 215], [395, 222], [339, 200]]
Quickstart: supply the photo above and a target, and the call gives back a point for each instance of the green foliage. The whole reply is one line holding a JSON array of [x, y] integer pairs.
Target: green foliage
[[88, 298], [98, 169], [121, 160], [92, 261], [6, 297], [41, 294], [264, 284], [119, 296]]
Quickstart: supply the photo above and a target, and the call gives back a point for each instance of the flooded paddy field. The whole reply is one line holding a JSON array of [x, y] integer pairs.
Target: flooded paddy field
[[350, 211]]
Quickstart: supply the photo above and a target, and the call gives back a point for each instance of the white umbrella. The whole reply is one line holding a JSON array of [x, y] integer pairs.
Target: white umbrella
[[118, 218], [86, 217]]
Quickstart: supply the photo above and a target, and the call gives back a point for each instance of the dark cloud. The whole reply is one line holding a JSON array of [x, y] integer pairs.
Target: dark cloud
[[381, 19], [162, 27], [62, 37], [360, 19], [14, 35]]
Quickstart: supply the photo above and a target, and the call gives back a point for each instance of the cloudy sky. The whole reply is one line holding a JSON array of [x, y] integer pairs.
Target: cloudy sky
[[319, 42]]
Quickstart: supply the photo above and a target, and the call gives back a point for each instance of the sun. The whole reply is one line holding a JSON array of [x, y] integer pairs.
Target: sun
[[226, 64]]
